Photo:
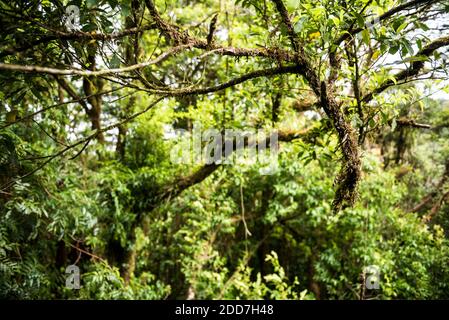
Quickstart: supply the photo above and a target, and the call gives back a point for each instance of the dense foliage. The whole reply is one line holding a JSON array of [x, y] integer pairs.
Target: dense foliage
[[90, 117]]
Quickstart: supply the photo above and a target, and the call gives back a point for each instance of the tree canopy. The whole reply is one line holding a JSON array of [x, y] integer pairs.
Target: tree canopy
[[100, 101]]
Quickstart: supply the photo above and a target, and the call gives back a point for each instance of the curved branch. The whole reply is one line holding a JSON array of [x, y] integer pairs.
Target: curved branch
[[183, 183], [89, 73], [251, 75], [174, 33], [405, 6]]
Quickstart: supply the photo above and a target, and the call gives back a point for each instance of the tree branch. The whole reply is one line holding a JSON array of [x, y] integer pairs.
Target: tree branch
[[412, 123], [183, 183], [71, 92], [413, 70], [288, 24], [406, 6], [89, 73]]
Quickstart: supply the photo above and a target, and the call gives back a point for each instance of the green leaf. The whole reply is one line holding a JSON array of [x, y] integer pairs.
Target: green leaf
[[421, 25], [402, 27], [299, 26], [419, 44], [335, 20], [91, 3], [126, 10], [393, 49], [114, 62], [360, 19], [416, 58], [407, 48], [366, 36], [292, 4]]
